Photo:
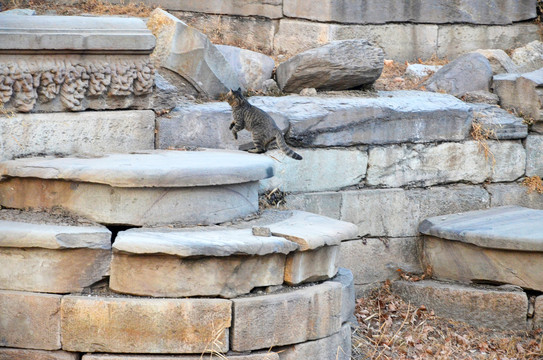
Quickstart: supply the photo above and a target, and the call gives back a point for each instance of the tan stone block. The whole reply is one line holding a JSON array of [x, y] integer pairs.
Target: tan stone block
[[23, 354], [29, 320], [309, 313], [171, 276], [54, 271], [312, 265], [139, 325], [455, 260], [256, 356], [538, 312]]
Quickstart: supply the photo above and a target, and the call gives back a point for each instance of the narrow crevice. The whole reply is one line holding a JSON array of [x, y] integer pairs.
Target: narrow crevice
[[115, 229]]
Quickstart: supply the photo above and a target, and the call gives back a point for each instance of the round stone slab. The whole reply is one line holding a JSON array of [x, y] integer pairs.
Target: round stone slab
[[153, 168], [507, 227]]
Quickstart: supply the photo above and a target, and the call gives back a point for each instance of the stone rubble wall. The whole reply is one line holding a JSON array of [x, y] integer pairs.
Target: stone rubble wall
[[442, 28]]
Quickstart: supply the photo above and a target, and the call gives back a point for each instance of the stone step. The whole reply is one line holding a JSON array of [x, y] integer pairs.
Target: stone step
[[500, 245], [145, 188], [495, 307], [228, 261], [55, 254]]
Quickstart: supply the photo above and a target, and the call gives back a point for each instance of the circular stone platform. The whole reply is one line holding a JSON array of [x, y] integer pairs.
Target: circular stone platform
[[148, 188]]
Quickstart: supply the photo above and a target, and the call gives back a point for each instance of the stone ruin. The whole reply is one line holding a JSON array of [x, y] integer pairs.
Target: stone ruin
[[150, 241]]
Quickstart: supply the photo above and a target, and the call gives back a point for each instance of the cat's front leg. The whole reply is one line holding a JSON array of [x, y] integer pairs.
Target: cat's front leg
[[236, 126]]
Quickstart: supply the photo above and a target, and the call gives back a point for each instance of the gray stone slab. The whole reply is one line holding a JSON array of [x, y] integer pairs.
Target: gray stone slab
[[203, 242], [312, 265], [538, 313], [252, 68], [498, 123], [518, 92], [23, 135], [345, 278], [75, 33], [499, 61], [477, 306], [534, 155], [26, 12], [147, 168], [514, 194], [509, 227], [417, 11], [421, 164]]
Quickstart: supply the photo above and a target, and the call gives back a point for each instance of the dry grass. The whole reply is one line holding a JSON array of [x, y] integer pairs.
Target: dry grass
[[393, 329], [98, 7], [533, 183], [481, 134]]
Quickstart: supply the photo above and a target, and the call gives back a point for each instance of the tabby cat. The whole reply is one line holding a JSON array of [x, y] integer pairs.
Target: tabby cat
[[258, 122]]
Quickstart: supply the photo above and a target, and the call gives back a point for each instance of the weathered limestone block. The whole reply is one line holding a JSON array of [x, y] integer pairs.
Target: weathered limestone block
[[418, 11], [499, 124], [254, 356], [30, 320], [172, 263], [337, 346], [339, 65], [11, 354], [538, 313], [309, 313], [469, 72], [456, 39], [534, 155], [252, 68], [400, 165], [346, 279], [145, 188], [529, 57], [500, 245], [477, 306], [189, 53], [23, 135], [312, 265], [500, 62], [519, 92], [321, 170], [375, 260], [139, 325], [481, 97], [514, 194]]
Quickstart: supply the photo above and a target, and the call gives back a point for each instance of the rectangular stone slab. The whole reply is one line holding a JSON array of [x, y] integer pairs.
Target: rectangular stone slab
[[139, 325], [261, 322], [24, 354], [30, 320], [455, 260], [255, 356], [171, 276], [312, 265]]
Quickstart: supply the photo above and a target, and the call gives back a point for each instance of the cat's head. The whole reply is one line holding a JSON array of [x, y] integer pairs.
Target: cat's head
[[234, 97]]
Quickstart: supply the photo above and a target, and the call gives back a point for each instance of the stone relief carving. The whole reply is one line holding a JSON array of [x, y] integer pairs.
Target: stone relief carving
[[24, 83]]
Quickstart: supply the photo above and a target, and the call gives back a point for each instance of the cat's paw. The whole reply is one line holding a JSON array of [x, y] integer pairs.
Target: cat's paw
[[232, 124], [235, 135]]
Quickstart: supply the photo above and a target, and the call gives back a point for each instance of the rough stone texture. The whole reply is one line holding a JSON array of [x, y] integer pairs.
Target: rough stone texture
[[500, 62], [475, 306], [481, 96], [400, 165], [534, 156], [320, 170], [529, 57], [512, 228], [270, 88], [15, 354], [421, 11], [454, 260], [538, 313], [312, 265], [514, 194], [337, 346], [469, 72], [312, 231], [189, 53], [252, 68], [419, 71], [393, 212], [255, 356], [310, 313], [141, 206], [339, 65], [498, 123], [538, 128], [346, 279], [53, 271], [138, 325], [518, 92], [30, 320], [253, 33], [26, 12], [170, 91], [373, 260], [24, 135], [171, 276]]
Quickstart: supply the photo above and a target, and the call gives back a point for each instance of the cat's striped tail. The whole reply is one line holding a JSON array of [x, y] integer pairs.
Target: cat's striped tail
[[284, 147]]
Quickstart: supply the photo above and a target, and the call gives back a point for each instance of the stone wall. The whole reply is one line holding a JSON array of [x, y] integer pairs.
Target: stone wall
[[406, 30]]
